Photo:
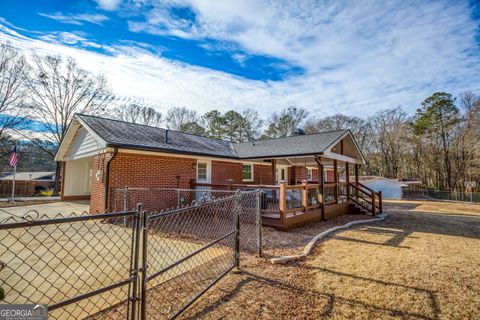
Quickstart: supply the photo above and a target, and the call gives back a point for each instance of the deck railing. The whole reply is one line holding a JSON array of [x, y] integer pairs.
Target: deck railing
[[365, 197], [284, 202]]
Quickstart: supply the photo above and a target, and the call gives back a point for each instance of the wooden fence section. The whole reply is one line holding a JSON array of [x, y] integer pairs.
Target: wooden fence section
[[22, 188]]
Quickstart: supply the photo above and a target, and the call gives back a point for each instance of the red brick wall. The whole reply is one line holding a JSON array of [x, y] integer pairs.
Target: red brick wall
[[296, 174], [97, 199], [262, 174], [223, 171], [330, 176], [140, 171], [151, 171]]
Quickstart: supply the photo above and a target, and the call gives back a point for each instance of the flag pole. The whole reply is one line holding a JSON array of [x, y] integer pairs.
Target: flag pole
[[13, 184], [14, 154]]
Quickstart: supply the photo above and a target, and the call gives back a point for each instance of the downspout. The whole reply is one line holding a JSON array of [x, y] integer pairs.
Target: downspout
[[107, 176]]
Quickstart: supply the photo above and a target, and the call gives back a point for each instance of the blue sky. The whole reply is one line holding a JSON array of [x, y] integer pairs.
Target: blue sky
[[351, 57]]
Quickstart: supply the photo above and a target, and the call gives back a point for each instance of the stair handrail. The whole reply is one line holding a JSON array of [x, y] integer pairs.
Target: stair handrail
[[378, 194], [371, 195]]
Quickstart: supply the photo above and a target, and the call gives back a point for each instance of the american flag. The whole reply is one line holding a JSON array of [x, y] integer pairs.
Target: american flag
[[14, 157]]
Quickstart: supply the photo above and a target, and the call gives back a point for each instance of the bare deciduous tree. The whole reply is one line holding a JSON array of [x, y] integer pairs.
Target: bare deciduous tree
[[139, 114], [177, 118], [58, 89], [252, 123], [13, 67], [283, 124], [358, 126]]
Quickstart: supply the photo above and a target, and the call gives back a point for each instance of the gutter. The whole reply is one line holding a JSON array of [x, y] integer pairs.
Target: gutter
[[168, 150], [107, 176]]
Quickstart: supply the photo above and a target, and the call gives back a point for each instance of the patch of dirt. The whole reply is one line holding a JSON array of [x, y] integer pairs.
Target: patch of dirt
[[414, 265], [283, 243], [261, 290]]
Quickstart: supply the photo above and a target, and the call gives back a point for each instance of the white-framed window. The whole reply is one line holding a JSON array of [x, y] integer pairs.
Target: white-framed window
[[247, 172], [203, 171], [309, 174]]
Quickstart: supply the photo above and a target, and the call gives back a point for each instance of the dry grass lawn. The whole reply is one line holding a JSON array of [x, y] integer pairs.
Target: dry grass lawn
[[423, 262]]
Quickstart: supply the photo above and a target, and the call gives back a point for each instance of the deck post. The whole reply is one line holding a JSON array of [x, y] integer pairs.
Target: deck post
[[347, 178], [304, 195], [282, 205], [274, 174], [274, 171], [380, 206], [335, 178], [373, 204], [321, 179], [356, 179], [356, 172]]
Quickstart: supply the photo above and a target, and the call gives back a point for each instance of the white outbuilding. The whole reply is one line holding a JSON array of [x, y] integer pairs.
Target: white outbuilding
[[390, 188]]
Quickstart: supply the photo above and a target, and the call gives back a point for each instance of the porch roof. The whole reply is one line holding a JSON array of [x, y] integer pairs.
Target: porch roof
[[303, 145]]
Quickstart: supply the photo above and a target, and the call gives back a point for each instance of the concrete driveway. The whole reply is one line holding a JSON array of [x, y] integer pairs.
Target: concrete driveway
[[49, 209]]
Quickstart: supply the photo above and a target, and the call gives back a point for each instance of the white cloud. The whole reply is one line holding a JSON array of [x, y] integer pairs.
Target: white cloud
[[109, 4], [358, 53], [358, 58], [69, 38], [76, 19]]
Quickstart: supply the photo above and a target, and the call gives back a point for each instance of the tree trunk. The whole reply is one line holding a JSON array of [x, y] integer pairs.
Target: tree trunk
[[56, 186]]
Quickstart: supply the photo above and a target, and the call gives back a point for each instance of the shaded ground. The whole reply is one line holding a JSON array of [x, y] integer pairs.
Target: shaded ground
[[421, 263]]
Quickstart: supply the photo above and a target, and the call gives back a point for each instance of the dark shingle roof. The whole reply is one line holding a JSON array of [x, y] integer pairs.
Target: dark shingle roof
[[290, 146], [134, 136]]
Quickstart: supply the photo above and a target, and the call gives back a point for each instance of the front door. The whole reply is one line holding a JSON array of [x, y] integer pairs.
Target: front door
[[204, 175], [282, 174]]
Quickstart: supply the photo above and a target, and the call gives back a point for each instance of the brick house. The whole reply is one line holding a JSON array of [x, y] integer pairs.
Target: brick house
[[299, 174]]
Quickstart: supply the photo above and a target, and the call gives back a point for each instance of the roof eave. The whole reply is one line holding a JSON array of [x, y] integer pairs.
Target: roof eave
[[165, 150]]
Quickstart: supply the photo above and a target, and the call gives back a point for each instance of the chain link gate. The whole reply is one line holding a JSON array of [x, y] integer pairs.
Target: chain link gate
[[133, 264], [186, 251], [77, 265]]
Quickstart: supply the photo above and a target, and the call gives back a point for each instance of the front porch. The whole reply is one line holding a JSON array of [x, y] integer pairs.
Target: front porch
[[285, 206]]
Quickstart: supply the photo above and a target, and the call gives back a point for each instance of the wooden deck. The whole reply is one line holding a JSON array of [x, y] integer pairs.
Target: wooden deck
[[288, 206]]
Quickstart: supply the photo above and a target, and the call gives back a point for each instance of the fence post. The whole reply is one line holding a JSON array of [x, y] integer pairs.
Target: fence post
[[259, 222], [178, 199], [236, 209], [134, 271], [125, 199], [144, 228]]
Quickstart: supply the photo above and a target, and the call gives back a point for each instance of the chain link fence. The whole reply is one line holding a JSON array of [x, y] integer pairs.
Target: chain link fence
[[157, 199], [440, 195], [133, 264]]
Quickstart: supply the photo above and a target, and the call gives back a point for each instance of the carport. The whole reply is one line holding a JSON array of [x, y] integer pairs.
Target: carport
[[77, 156]]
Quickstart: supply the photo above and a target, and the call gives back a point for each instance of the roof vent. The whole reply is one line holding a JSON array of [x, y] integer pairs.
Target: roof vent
[[298, 132], [166, 137]]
